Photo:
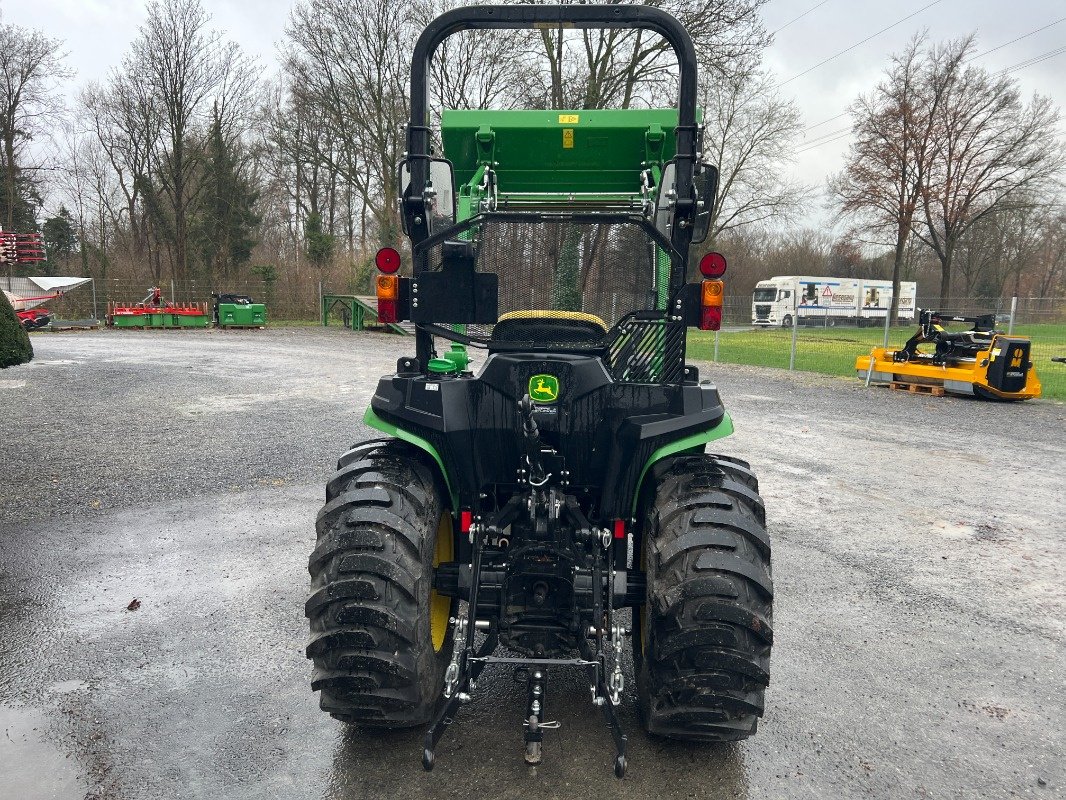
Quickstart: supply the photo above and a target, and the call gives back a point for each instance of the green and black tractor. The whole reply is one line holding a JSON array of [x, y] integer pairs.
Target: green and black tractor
[[541, 492]]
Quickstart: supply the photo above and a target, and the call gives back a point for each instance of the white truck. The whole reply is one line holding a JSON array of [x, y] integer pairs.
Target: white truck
[[827, 301]]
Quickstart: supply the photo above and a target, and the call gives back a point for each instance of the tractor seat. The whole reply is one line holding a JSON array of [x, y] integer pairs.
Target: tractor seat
[[559, 331]]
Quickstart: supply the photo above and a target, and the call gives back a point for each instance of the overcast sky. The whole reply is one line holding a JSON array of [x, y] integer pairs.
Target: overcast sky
[[97, 32]]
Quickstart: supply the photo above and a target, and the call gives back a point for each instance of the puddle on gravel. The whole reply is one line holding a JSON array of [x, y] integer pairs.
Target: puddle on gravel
[[31, 767], [66, 687], [953, 530]]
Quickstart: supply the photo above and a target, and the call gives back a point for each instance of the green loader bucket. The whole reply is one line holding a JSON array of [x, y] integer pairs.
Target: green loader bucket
[[586, 151]]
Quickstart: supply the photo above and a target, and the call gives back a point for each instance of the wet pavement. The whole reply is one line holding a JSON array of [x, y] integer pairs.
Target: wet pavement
[[918, 564]]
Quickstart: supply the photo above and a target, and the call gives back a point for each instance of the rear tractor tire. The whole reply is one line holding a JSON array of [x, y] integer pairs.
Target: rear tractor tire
[[703, 638], [380, 638]]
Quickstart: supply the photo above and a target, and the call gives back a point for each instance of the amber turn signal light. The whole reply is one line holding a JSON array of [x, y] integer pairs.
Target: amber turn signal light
[[388, 287], [711, 293]]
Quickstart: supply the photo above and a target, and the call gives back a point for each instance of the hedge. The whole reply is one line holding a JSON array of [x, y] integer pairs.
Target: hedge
[[15, 347]]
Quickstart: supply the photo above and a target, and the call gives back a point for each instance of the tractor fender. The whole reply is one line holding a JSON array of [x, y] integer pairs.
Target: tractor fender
[[693, 440], [372, 420]]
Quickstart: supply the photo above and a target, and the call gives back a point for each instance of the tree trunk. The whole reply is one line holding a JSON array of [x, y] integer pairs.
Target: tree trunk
[[84, 251], [897, 269], [180, 265], [9, 177], [945, 272]]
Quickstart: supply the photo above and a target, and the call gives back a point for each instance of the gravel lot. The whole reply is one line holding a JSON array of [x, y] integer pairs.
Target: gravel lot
[[919, 572]]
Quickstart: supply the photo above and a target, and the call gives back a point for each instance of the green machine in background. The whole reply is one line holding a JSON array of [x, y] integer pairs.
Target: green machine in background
[[237, 311]]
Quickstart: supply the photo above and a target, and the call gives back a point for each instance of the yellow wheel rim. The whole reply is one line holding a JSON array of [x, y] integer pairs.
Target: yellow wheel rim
[[440, 606]]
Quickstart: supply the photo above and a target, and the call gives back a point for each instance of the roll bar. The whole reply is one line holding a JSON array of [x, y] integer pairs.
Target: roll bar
[[512, 17]]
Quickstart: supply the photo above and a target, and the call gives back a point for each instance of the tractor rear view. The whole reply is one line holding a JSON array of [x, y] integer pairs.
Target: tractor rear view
[[542, 469]]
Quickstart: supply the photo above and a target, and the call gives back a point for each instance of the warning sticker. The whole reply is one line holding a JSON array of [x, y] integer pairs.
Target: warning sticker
[[568, 138], [569, 119]]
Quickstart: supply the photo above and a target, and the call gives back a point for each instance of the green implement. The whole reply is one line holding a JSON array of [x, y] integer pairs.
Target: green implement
[[233, 315]]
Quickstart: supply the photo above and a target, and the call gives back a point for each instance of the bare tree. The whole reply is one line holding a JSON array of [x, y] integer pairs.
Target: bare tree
[[347, 66], [883, 180], [88, 180], [346, 57], [31, 68], [758, 253], [126, 120], [472, 69], [980, 256], [987, 147], [1050, 277], [620, 68], [1011, 249], [750, 133], [189, 70]]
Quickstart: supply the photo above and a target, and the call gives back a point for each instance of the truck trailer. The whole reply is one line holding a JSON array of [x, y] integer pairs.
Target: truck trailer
[[827, 301]]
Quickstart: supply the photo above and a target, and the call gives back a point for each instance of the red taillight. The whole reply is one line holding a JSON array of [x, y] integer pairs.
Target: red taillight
[[387, 260], [619, 529], [387, 311], [711, 318], [713, 265], [466, 519]]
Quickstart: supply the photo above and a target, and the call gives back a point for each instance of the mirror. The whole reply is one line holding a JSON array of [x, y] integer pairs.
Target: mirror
[[439, 194], [706, 185], [664, 202]]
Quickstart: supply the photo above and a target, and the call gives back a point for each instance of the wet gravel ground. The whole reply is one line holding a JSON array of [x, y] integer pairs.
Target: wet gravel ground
[[918, 565]]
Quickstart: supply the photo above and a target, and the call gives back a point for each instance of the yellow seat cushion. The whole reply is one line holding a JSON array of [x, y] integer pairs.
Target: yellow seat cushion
[[574, 315]]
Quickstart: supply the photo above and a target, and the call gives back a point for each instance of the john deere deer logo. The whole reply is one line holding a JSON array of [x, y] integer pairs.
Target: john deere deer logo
[[544, 388]]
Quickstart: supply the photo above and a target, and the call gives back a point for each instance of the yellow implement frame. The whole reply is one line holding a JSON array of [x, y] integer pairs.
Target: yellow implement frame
[[960, 378]]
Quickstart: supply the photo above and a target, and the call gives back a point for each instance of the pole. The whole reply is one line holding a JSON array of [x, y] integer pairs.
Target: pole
[[92, 283], [888, 322], [870, 369], [795, 331], [320, 302], [173, 294], [1013, 311], [716, 346]]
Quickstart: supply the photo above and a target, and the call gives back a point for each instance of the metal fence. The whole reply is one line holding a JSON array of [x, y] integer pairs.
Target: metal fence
[[818, 342]]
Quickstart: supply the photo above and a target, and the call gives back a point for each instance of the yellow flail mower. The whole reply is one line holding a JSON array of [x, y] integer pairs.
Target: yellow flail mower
[[981, 361]]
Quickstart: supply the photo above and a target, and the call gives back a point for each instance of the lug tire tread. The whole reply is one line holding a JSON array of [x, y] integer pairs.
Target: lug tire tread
[[371, 576], [703, 673]]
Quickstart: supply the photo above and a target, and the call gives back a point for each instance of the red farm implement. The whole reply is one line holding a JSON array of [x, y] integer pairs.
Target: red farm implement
[[156, 312], [21, 248]]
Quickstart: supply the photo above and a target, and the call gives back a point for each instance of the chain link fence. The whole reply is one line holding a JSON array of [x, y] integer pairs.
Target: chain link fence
[[816, 342]]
